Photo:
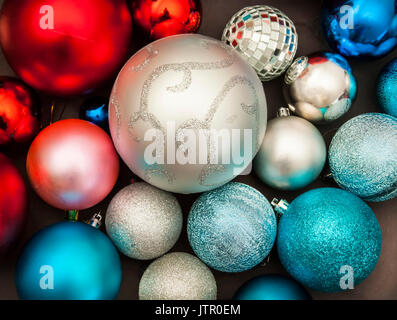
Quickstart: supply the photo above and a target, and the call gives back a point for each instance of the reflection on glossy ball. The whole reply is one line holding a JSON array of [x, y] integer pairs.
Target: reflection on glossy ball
[[361, 28], [69, 261], [325, 233], [386, 89], [170, 99], [272, 287], [320, 88], [232, 228], [292, 154], [144, 222], [363, 156], [177, 276]]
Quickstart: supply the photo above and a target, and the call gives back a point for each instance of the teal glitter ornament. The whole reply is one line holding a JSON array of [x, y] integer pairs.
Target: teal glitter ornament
[[232, 228], [328, 239], [386, 88], [363, 156], [69, 261]]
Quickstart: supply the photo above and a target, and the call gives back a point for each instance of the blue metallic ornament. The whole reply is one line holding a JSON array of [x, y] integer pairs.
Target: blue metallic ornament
[[69, 261], [232, 228], [361, 28], [326, 234], [95, 110], [272, 287], [363, 156], [386, 88]]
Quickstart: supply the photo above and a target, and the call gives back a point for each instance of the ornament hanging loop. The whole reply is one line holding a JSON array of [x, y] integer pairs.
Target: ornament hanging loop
[[283, 112], [280, 207], [96, 220]]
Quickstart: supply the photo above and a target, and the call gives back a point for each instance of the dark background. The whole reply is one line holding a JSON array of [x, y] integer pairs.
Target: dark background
[[381, 284]]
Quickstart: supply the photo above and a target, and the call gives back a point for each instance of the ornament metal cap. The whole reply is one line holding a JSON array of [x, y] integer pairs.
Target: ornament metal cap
[[96, 220], [283, 112], [280, 206]]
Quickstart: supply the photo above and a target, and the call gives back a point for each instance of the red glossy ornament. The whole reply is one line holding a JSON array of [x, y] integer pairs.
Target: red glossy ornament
[[12, 202], [72, 164], [65, 47], [18, 113], [162, 18]]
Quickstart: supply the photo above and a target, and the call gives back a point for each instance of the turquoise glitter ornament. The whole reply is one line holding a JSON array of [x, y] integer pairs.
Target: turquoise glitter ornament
[[386, 88], [363, 156], [272, 287], [69, 261], [328, 239], [232, 228]]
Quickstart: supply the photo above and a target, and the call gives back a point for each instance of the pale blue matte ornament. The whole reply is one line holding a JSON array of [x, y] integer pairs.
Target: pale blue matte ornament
[[69, 261], [363, 156], [328, 239], [232, 228]]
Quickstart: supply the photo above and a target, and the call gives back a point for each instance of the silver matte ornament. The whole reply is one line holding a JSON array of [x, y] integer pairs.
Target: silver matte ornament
[[265, 37], [177, 276], [186, 83], [293, 153], [144, 222], [320, 88]]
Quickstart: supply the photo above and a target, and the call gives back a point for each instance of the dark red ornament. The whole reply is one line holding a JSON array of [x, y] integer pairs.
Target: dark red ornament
[[162, 18], [65, 47], [12, 203], [19, 121]]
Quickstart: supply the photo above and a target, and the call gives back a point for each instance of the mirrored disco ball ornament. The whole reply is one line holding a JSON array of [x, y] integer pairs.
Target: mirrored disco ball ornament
[[265, 37], [321, 87], [172, 99], [363, 156], [326, 234]]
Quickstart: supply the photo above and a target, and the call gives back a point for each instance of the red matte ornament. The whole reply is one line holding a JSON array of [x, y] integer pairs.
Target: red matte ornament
[[162, 18], [19, 121], [65, 47], [13, 202]]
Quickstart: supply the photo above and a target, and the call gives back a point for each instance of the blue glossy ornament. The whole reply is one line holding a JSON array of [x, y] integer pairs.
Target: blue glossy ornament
[[272, 287], [361, 28], [232, 228], [363, 156], [325, 232], [95, 110], [386, 88], [81, 260]]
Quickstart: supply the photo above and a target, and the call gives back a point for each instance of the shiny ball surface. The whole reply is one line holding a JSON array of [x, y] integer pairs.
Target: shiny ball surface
[[19, 121], [144, 222], [95, 110], [363, 156], [72, 164], [324, 230], [13, 203], [292, 154], [265, 37], [321, 87], [74, 259], [386, 88], [177, 276], [65, 47], [179, 85], [272, 287], [361, 28], [232, 228], [167, 17]]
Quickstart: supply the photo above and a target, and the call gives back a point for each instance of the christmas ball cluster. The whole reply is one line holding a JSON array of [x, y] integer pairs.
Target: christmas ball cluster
[[164, 98]]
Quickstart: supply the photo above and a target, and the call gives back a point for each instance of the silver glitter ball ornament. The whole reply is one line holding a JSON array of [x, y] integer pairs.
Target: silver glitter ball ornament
[[143, 222], [321, 87], [182, 85], [177, 276], [292, 154], [265, 37]]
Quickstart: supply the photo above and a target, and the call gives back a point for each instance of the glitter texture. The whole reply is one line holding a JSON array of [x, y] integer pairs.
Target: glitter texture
[[177, 276], [232, 228], [323, 230], [143, 221], [265, 37], [386, 90], [363, 156]]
